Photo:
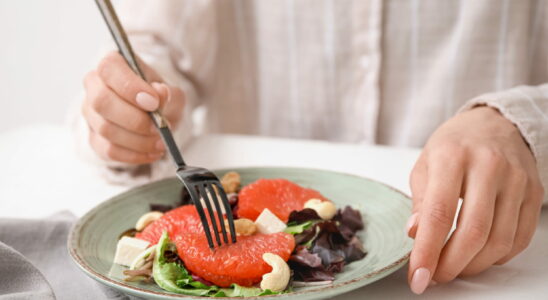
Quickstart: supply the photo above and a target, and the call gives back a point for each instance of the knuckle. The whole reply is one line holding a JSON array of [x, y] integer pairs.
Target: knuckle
[[127, 87], [476, 231], [519, 175], [104, 129], [88, 78], [501, 246], [139, 123], [537, 191], [110, 151], [103, 68], [491, 157], [99, 101], [440, 214], [522, 242], [449, 151]]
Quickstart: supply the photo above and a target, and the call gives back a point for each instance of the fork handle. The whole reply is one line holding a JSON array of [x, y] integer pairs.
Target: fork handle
[[124, 47]]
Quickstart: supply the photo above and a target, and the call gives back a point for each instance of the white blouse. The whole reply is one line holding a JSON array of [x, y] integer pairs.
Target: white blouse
[[363, 71]]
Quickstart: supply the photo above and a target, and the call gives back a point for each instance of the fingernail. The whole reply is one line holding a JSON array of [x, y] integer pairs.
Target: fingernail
[[411, 222], [420, 280], [160, 145], [147, 101], [432, 283]]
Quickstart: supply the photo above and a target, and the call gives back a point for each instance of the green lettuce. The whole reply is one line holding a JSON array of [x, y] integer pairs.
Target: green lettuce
[[298, 228], [242, 291], [173, 277]]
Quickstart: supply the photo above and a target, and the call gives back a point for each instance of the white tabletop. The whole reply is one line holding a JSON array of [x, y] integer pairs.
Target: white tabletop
[[41, 175]]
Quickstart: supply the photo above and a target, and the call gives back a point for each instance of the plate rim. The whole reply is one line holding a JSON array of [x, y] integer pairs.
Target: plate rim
[[75, 231]]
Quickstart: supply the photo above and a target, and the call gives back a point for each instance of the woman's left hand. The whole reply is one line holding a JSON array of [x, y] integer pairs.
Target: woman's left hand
[[481, 157]]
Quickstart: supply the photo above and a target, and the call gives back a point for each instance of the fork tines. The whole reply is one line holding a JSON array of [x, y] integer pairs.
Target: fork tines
[[208, 191]]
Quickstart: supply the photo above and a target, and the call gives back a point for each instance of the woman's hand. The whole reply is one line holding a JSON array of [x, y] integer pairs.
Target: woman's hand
[[481, 157], [116, 106]]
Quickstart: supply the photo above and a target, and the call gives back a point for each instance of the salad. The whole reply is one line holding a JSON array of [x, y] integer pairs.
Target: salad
[[288, 236]]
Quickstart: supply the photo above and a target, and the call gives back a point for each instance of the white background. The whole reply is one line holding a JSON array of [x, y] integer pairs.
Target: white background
[[45, 49]]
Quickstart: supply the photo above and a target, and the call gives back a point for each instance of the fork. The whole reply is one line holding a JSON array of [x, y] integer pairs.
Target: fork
[[200, 182]]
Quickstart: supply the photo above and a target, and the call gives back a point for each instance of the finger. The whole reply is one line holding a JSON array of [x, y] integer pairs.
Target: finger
[[118, 76], [123, 137], [111, 107], [505, 224], [474, 223], [417, 182], [110, 151], [445, 175], [173, 101], [528, 221]]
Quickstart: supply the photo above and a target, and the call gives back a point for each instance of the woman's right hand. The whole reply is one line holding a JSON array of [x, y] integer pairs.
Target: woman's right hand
[[115, 108]]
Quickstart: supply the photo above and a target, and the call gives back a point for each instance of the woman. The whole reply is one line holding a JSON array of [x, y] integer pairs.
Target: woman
[[465, 79]]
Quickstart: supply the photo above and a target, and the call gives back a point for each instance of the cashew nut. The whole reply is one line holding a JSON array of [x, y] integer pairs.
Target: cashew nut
[[243, 226], [146, 219], [278, 279], [231, 182], [325, 209]]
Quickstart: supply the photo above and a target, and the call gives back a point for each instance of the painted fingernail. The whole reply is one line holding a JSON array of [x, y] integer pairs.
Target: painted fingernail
[[420, 280], [160, 145], [411, 222], [147, 101]]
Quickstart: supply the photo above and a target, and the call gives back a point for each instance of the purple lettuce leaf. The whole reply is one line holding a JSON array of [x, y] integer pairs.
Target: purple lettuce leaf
[[301, 216], [336, 267], [160, 207], [354, 250], [323, 247], [307, 236], [311, 274], [350, 218], [303, 257]]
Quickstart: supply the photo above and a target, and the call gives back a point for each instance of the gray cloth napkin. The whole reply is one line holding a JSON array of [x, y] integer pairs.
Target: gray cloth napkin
[[35, 263]]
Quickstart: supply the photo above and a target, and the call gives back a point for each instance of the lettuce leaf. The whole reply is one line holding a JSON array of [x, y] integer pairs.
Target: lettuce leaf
[[241, 291], [298, 228], [173, 277]]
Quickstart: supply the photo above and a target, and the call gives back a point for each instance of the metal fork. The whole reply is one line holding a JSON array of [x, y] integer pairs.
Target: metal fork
[[199, 182]]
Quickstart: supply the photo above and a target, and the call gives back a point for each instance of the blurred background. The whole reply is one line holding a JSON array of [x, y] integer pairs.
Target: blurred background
[[47, 47]]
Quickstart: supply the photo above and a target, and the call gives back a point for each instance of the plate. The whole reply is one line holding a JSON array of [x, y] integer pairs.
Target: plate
[[92, 241]]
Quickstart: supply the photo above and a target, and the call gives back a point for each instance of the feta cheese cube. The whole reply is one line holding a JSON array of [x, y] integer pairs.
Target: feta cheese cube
[[267, 223], [128, 249]]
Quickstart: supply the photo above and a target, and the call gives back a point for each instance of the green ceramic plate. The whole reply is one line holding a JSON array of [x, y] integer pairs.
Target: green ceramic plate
[[93, 239]]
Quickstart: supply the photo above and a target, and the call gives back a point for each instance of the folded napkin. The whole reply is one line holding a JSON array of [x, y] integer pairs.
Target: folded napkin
[[35, 263]]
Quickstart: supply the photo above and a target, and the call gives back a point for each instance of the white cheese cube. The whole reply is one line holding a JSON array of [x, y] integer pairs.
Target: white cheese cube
[[128, 249], [267, 223]]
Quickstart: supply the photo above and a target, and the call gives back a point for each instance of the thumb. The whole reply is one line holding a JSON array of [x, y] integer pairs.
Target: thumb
[[162, 91]]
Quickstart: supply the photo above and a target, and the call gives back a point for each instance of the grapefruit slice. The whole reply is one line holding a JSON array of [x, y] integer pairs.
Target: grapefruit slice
[[239, 263], [176, 221], [280, 196]]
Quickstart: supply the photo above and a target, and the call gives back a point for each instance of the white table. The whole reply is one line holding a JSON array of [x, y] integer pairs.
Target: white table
[[41, 175]]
